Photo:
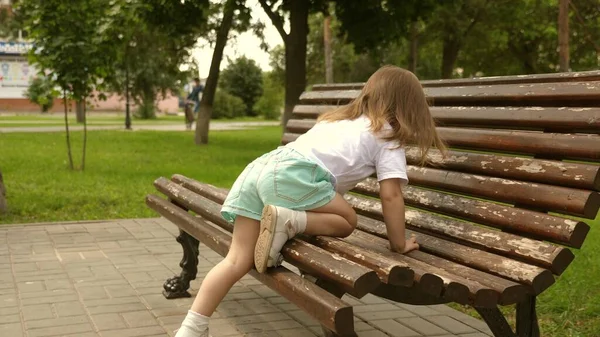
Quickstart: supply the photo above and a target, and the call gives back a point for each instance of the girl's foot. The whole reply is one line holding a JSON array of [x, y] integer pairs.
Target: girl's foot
[[277, 226], [194, 325]]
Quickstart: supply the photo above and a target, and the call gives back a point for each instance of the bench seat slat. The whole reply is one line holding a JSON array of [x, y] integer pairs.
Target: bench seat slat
[[556, 145], [541, 118], [423, 277], [482, 289], [593, 75], [331, 311], [389, 271], [352, 277], [540, 253], [536, 278], [427, 282], [580, 94]]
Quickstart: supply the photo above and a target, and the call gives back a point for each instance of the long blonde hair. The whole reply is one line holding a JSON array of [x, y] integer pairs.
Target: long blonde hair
[[394, 95]]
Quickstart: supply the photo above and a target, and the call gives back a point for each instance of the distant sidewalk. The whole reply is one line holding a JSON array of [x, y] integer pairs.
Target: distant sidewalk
[[214, 126]]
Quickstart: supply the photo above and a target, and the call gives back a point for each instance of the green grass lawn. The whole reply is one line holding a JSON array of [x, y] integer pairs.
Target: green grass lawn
[[121, 167]]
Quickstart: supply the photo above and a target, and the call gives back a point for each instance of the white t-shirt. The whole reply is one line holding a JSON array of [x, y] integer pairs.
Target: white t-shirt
[[351, 152]]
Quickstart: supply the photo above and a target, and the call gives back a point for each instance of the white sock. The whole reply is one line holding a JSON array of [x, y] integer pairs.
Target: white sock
[[193, 325], [300, 220]]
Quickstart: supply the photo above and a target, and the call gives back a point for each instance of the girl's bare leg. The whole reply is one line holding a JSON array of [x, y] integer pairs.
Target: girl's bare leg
[[279, 224], [222, 277], [337, 218]]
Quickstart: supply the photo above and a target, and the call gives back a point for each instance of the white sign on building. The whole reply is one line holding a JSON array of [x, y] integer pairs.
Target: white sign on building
[[15, 72]]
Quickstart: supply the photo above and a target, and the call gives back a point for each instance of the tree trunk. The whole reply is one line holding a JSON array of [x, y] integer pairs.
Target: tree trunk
[[295, 56], [66, 104], [84, 138], [3, 205], [79, 110], [412, 57], [563, 35], [328, 53], [208, 95], [449, 56]]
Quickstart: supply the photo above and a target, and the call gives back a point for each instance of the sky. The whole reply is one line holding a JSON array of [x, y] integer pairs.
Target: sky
[[245, 44]]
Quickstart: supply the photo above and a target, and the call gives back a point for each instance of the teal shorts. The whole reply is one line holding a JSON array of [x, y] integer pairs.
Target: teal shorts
[[282, 177]]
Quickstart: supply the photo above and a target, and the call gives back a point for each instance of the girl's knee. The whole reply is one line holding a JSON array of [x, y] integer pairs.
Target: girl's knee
[[352, 219], [240, 265]]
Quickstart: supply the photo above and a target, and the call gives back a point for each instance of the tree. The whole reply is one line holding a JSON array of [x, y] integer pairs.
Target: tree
[[150, 49], [563, 34], [295, 46], [69, 47], [231, 10], [243, 78]]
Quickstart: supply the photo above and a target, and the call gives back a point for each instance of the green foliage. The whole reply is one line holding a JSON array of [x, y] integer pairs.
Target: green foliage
[[243, 78], [227, 105], [69, 44], [270, 103], [41, 91], [149, 49]]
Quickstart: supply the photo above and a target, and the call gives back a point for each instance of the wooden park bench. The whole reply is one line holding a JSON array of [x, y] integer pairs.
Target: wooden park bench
[[497, 219]]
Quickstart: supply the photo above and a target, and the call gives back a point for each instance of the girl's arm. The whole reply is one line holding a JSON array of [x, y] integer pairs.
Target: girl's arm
[[390, 192]]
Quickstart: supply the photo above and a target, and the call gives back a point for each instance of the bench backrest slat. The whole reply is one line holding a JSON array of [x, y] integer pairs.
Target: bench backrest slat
[[579, 120], [593, 75]]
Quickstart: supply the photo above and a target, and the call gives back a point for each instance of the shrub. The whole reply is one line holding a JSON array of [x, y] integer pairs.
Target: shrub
[[227, 106], [41, 92]]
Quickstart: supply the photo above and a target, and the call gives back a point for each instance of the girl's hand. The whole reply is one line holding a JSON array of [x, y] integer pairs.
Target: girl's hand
[[410, 245]]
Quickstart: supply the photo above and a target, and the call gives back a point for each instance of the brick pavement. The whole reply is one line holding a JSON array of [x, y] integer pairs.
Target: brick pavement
[[105, 279]]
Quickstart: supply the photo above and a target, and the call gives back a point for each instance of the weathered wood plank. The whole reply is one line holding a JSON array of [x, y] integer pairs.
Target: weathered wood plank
[[331, 311], [540, 253], [569, 120], [538, 196], [566, 174], [515, 220], [427, 282], [549, 172], [593, 75], [578, 94], [456, 288], [543, 197], [538, 278], [388, 270], [555, 145], [354, 278]]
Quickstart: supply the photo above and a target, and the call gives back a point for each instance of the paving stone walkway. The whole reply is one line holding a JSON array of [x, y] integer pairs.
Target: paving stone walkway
[[105, 279]]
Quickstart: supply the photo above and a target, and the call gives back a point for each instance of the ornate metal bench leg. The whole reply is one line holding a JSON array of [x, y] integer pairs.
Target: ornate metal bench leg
[[177, 286], [335, 291], [527, 321], [496, 321]]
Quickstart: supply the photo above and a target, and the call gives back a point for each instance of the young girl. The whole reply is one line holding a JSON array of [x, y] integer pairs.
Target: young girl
[[298, 188]]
